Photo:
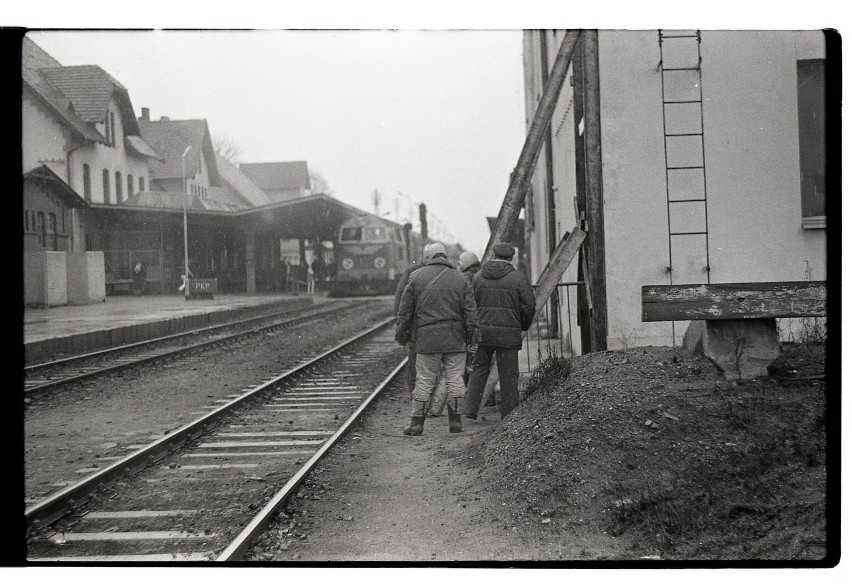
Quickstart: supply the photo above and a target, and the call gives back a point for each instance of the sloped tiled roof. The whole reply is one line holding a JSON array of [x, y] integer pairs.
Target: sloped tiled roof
[[87, 86], [135, 143], [280, 175], [241, 185], [33, 61], [170, 138], [44, 174]]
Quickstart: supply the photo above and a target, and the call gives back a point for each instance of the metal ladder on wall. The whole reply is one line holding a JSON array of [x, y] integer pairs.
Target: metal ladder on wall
[[686, 179]]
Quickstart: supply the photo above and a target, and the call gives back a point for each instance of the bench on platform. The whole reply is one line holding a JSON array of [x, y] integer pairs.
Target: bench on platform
[[733, 324]]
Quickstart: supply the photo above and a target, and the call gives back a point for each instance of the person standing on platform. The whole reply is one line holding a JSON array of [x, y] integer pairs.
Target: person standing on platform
[[139, 276], [312, 277], [438, 302], [285, 275], [506, 307]]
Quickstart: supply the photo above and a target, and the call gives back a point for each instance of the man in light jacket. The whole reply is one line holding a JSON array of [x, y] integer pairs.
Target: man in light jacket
[[438, 303], [506, 307]]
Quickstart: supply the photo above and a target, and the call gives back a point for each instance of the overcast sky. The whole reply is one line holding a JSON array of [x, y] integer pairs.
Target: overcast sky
[[436, 115]]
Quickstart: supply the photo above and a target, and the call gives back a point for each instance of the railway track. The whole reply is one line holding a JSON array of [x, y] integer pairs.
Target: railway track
[[207, 490], [49, 375]]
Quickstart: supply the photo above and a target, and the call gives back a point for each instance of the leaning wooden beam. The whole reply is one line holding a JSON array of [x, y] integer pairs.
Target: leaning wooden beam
[[514, 200], [559, 262], [733, 301]]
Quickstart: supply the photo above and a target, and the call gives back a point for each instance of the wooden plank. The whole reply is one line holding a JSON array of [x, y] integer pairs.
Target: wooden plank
[[558, 263], [733, 301], [514, 199]]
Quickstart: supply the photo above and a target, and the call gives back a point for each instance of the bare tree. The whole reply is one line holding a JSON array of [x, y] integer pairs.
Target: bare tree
[[228, 149], [318, 183]]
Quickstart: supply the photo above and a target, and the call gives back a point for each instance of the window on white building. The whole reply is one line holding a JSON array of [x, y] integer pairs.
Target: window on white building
[[119, 195], [811, 90], [107, 197], [87, 183], [129, 185], [141, 184]]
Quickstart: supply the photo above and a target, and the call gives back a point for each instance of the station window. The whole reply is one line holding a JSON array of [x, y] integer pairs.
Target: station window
[[811, 92], [118, 188], [87, 183], [42, 229], [129, 185], [107, 196], [26, 221], [112, 129], [51, 232], [106, 130], [141, 184]]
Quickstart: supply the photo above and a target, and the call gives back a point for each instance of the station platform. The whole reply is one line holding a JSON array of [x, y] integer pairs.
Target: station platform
[[51, 333]]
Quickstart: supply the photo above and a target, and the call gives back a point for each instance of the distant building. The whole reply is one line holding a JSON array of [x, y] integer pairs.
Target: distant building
[[281, 181], [79, 122], [710, 154]]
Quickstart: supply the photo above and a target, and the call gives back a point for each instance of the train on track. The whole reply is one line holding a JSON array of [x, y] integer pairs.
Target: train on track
[[371, 253]]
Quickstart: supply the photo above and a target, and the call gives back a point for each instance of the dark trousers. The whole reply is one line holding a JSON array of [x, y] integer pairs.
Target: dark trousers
[[507, 370], [411, 367]]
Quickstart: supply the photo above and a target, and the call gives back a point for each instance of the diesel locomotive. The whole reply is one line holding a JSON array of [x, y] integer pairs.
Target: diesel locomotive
[[371, 253]]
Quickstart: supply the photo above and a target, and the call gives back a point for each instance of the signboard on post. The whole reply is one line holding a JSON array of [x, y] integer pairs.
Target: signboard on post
[[202, 288]]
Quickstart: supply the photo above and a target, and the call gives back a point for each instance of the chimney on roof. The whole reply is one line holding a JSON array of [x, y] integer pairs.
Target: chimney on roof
[[146, 115], [164, 118]]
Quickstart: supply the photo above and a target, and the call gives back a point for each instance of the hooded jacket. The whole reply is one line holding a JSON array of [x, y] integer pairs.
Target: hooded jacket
[[505, 304], [444, 316]]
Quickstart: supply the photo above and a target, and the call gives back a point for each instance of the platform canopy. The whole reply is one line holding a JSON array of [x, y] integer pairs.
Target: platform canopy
[[312, 216]]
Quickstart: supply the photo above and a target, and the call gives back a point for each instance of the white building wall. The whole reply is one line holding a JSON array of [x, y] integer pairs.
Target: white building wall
[[113, 158], [45, 141], [752, 170]]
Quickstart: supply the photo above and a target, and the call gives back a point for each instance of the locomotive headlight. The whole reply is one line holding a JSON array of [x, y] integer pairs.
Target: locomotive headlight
[[379, 262], [347, 263]]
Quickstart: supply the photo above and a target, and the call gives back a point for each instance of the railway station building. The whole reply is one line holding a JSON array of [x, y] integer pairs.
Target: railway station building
[[104, 185], [690, 157]]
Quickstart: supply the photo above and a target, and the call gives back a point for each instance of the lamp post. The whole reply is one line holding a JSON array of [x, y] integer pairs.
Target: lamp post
[[185, 238]]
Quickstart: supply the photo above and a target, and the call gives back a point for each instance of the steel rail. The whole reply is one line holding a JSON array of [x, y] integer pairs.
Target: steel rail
[[177, 351], [236, 550], [63, 502]]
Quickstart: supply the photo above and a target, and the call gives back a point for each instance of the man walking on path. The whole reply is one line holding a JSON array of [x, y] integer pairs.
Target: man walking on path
[[506, 306], [438, 303], [468, 265], [410, 373]]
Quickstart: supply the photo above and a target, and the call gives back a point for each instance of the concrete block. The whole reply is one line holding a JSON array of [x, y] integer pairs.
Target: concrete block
[[86, 277], [45, 278], [693, 339], [741, 348]]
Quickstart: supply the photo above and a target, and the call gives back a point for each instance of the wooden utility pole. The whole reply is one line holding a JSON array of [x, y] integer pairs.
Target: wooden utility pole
[[514, 200], [595, 246]]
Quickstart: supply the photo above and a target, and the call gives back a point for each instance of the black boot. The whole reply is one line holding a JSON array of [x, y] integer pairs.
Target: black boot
[[454, 415], [418, 416]]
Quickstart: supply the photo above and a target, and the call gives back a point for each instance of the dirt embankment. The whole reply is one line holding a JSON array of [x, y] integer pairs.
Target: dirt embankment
[[612, 456]]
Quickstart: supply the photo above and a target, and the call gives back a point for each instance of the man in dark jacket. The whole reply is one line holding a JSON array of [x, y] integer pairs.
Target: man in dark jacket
[[506, 307], [438, 303], [410, 373]]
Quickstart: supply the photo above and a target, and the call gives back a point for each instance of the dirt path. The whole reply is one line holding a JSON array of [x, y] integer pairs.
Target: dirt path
[[384, 496]]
